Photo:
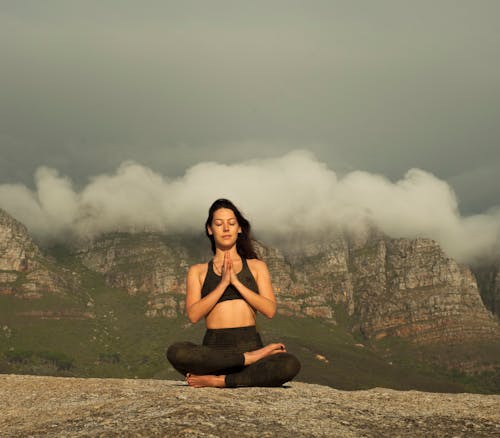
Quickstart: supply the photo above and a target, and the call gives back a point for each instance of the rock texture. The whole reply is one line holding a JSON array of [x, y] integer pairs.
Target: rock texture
[[24, 271], [386, 287], [70, 407], [382, 287], [142, 263], [488, 277], [394, 287], [411, 289], [322, 272], [17, 249]]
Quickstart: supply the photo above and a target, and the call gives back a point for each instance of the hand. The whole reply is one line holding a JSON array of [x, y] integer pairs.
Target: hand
[[233, 277], [226, 269]]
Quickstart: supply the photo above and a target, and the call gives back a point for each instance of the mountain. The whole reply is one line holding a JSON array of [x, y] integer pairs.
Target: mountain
[[25, 272], [387, 287], [399, 311], [488, 278], [398, 287], [145, 263]]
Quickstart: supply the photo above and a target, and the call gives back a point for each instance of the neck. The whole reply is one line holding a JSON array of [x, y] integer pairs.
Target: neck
[[219, 253]]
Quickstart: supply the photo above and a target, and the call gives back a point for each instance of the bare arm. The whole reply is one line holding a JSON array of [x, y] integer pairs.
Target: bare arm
[[197, 307], [264, 301]]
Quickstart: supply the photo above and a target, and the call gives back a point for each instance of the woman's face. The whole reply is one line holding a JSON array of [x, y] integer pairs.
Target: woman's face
[[224, 228]]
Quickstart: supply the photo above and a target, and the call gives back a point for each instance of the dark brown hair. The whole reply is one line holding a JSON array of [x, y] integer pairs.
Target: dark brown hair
[[244, 244]]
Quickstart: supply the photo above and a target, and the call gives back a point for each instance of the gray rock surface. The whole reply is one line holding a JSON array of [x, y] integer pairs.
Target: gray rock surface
[[406, 288], [24, 271], [488, 278], [143, 263], [388, 287], [16, 246], [411, 289], [61, 407]]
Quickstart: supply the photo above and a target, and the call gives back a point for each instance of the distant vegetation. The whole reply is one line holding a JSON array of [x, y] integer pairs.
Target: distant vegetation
[[117, 340]]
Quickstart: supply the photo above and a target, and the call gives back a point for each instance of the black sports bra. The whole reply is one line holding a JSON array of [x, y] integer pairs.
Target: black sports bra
[[231, 293]]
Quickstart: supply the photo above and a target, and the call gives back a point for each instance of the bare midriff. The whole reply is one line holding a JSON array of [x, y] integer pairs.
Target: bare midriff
[[230, 314]]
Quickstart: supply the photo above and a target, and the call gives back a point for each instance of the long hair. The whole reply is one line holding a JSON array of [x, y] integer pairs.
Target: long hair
[[244, 245]]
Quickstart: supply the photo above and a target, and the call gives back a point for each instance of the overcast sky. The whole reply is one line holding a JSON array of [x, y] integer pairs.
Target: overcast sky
[[379, 86]]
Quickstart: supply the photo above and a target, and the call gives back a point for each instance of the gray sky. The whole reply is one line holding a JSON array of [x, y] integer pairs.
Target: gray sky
[[379, 86]]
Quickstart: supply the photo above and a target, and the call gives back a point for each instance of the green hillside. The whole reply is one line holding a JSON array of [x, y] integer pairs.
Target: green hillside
[[102, 332]]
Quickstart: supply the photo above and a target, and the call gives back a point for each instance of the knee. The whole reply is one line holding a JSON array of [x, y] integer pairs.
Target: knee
[[176, 353], [171, 352], [291, 366]]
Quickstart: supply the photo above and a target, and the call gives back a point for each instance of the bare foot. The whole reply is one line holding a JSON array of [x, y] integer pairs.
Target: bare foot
[[209, 380], [253, 356]]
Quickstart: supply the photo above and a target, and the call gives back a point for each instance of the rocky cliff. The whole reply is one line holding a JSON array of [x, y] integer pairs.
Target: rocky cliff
[[411, 289], [24, 271], [375, 285], [147, 263], [386, 287], [62, 407], [488, 278]]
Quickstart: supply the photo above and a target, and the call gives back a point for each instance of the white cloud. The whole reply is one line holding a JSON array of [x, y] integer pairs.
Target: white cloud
[[292, 195]]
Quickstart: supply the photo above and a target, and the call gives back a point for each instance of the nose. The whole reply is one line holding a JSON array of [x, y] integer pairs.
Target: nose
[[226, 227]]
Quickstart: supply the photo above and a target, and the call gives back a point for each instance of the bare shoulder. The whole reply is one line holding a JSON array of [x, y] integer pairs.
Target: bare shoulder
[[198, 271], [198, 268], [256, 263], [257, 266]]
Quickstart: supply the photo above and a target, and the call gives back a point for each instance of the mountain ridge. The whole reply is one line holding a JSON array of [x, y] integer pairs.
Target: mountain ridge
[[372, 298]]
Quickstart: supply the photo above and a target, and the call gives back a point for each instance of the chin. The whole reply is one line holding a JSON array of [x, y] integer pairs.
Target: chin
[[227, 243]]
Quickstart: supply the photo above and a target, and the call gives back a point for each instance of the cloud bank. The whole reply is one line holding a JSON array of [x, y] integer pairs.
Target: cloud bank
[[293, 195], [83, 83]]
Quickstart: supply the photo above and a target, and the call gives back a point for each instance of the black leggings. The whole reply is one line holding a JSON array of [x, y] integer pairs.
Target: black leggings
[[222, 354]]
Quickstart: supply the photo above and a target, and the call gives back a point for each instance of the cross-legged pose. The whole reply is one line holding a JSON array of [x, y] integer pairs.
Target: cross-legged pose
[[228, 291]]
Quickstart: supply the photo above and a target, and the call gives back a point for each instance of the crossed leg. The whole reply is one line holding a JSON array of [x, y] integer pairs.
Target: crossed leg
[[205, 366]]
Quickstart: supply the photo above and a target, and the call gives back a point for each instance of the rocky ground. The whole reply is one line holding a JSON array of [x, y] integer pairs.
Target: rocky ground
[[50, 406]]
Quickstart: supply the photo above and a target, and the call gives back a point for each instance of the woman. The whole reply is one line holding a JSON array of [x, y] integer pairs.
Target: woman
[[228, 291]]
